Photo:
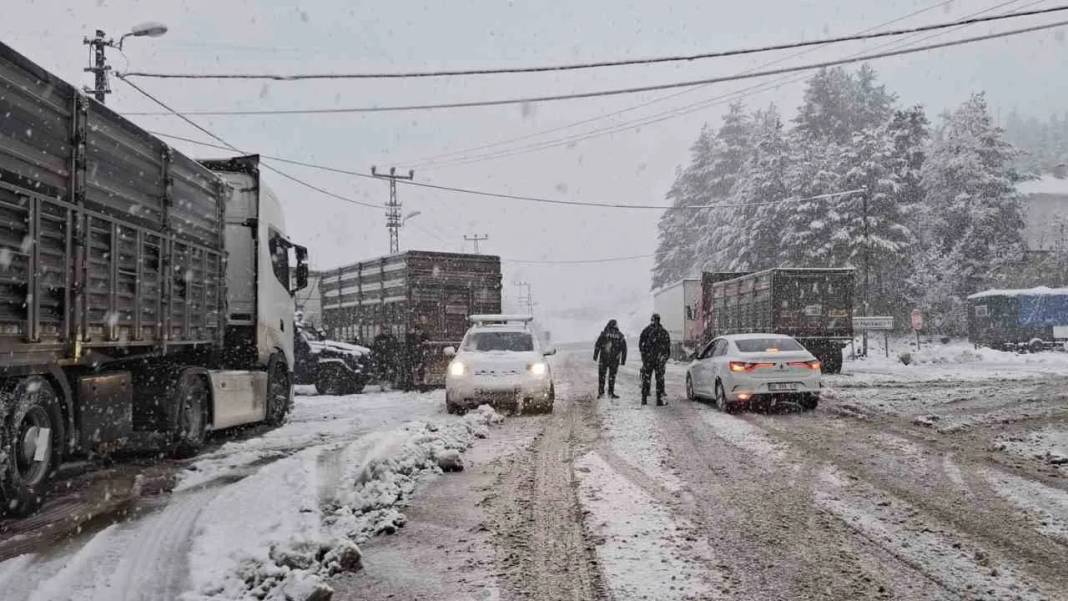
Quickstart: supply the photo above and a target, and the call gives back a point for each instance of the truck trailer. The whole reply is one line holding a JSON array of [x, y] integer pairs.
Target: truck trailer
[[145, 298], [421, 299], [815, 306], [1031, 319]]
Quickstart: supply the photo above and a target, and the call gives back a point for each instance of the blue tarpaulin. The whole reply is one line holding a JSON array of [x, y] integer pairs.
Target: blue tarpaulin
[[1044, 310]]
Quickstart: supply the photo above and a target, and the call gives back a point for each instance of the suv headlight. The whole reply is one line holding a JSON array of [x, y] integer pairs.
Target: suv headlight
[[539, 368], [456, 369]]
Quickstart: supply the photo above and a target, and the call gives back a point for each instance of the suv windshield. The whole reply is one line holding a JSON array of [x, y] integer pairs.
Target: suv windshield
[[763, 345], [499, 341]]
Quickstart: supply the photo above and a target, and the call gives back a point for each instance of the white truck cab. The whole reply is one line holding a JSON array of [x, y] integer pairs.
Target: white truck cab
[[260, 326]]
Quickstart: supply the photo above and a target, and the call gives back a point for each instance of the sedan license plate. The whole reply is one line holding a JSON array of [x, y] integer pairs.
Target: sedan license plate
[[782, 386]]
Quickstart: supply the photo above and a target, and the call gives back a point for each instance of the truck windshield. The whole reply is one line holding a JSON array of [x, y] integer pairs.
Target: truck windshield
[[765, 345], [499, 341]]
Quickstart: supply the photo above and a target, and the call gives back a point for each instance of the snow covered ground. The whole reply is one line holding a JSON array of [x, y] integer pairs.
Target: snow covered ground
[[267, 517]]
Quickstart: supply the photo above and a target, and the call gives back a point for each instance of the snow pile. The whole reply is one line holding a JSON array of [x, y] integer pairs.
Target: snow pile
[[281, 532], [375, 483]]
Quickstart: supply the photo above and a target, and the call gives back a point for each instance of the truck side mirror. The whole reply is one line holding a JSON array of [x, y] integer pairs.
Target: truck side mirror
[[449, 351], [549, 351], [302, 267]]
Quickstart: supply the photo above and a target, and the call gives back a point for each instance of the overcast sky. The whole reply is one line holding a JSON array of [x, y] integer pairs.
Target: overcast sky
[[631, 166]]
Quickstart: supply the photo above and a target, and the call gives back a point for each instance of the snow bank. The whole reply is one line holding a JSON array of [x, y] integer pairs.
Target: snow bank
[[1038, 291], [935, 361], [280, 532]]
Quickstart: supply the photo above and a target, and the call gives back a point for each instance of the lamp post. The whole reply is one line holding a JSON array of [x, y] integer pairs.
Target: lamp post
[[97, 44]]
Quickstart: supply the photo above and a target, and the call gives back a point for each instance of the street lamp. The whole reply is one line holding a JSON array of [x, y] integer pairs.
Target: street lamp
[[100, 68], [150, 29]]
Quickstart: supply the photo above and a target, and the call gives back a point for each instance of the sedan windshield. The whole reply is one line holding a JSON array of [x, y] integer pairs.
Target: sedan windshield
[[765, 345], [499, 341]]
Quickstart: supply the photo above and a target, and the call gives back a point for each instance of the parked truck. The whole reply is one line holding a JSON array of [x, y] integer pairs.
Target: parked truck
[[421, 299], [678, 304], [815, 306], [1033, 319], [145, 298]]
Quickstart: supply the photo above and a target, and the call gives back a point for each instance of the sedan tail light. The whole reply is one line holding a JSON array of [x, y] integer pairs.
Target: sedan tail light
[[744, 366], [813, 365]]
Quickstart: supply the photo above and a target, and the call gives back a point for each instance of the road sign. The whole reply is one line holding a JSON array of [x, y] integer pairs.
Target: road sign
[[917, 320], [871, 323]]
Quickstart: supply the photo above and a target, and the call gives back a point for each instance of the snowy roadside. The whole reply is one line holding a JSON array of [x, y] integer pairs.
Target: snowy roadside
[[282, 531]]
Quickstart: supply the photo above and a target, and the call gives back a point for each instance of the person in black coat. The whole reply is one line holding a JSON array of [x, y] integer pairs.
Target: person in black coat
[[610, 352], [655, 347]]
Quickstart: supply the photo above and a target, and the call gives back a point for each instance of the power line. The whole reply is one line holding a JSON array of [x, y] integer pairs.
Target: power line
[[618, 91], [640, 122], [535, 199], [595, 64], [575, 261], [434, 158], [229, 146]]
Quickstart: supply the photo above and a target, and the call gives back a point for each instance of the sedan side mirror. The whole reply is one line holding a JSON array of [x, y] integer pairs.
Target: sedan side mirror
[[449, 351], [549, 351]]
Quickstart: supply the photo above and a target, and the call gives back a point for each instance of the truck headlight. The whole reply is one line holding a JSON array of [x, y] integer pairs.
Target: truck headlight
[[456, 369], [539, 368]]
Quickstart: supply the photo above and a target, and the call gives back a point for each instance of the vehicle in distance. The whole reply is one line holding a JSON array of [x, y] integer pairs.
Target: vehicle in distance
[[421, 298], [813, 305], [754, 370], [500, 363], [1034, 319], [335, 368]]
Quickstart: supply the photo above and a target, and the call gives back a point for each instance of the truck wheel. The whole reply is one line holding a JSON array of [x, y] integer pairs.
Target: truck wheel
[[330, 381], [279, 390], [831, 358], [191, 397], [30, 417], [689, 389]]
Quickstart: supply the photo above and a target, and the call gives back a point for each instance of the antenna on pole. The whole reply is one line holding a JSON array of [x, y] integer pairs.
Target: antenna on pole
[[476, 238], [393, 207]]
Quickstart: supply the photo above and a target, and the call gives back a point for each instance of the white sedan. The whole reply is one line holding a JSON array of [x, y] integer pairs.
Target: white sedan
[[741, 370], [500, 363]]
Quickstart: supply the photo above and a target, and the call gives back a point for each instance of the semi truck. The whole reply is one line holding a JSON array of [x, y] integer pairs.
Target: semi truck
[[145, 298], [421, 300], [678, 305], [815, 306], [1033, 319]]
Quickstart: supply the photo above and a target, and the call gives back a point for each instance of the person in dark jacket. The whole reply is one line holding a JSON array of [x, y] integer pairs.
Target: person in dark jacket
[[655, 347], [610, 352]]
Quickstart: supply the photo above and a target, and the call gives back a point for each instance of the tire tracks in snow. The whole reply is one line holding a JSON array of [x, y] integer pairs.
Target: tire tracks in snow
[[543, 548]]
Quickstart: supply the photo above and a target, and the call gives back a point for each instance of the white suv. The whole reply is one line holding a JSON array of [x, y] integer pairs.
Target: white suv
[[500, 363]]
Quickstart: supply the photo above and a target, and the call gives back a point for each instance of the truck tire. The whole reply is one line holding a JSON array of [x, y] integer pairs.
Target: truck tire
[[279, 390], [27, 406], [191, 399], [331, 381]]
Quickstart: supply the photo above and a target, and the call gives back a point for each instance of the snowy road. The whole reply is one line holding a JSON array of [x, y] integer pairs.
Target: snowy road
[[943, 480], [929, 483]]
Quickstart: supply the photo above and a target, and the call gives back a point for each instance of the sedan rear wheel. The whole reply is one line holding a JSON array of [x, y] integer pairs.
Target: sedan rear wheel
[[721, 400]]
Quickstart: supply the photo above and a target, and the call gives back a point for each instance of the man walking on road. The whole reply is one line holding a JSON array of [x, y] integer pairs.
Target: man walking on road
[[610, 352], [655, 347]]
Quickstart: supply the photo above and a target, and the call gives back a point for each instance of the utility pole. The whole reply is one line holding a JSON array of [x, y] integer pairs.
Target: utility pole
[[393, 207], [528, 299], [867, 264], [476, 238], [99, 67]]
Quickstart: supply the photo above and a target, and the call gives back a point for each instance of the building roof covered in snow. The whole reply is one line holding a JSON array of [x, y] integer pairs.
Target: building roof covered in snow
[[1039, 291]]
